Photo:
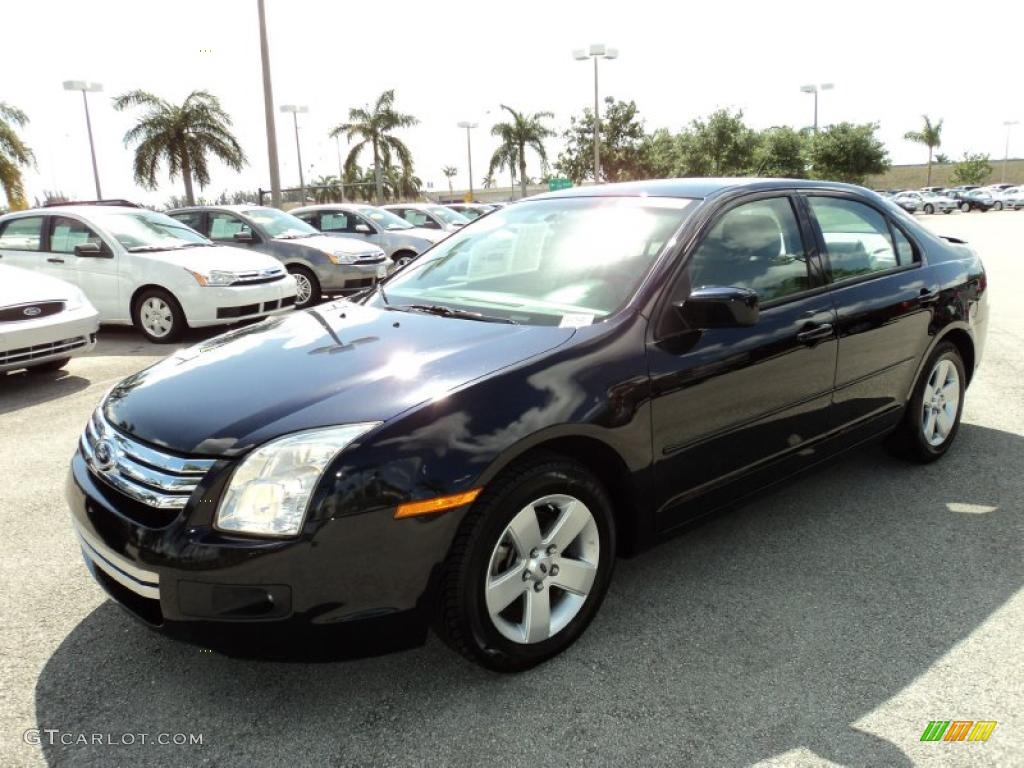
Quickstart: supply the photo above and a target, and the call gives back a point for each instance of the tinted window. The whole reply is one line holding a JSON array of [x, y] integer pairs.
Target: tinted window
[[224, 226], [67, 233], [857, 237], [756, 245], [22, 234], [193, 219]]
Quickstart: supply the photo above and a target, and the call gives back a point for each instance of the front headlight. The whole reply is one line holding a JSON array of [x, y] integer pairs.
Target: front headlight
[[270, 490], [340, 257], [215, 277]]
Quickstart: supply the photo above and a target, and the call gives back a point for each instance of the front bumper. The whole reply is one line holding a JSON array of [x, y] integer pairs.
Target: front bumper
[[350, 278], [33, 342], [187, 579], [208, 305]]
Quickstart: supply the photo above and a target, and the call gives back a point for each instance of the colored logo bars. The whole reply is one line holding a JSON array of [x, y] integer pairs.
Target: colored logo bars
[[958, 730]]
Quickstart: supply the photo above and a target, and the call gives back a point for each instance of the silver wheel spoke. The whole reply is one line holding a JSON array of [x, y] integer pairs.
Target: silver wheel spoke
[[929, 424], [525, 530], [944, 421], [570, 522], [502, 591], [575, 576], [538, 616]]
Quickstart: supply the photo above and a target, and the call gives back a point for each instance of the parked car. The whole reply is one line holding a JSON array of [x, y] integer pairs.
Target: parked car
[[925, 202], [142, 268], [399, 239], [1014, 197], [971, 200], [320, 264], [44, 322], [579, 379], [908, 201], [470, 210], [1000, 199], [429, 216]]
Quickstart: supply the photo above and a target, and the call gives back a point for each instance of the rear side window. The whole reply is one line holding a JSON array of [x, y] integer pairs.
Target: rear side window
[[67, 233], [22, 234], [193, 219], [858, 240]]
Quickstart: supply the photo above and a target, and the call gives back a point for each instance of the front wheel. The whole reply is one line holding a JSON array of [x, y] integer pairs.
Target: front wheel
[[530, 565], [159, 316], [965, 207], [933, 415], [403, 258], [929, 209], [998, 206], [307, 287]]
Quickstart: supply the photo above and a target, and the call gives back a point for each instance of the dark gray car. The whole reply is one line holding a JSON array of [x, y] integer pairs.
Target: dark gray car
[[321, 264]]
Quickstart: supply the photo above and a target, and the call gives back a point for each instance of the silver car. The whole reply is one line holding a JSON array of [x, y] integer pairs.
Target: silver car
[[320, 264], [399, 239], [926, 202], [429, 216]]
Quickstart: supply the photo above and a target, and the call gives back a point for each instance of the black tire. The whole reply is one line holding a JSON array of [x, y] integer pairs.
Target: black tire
[[998, 206], [463, 620], [302, 273], [908, 440], [929, 209], [176, 323], [965, 207], [50, 366], [402, 258]]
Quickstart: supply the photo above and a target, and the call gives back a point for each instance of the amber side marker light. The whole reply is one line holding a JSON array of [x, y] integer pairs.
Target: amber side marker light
[[439, 504]]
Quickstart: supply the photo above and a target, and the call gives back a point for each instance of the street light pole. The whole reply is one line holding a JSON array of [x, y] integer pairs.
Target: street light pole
[[341, 170], [86, 87], [1006, 153], [469, 153], [268, 110], [296, 110], [814, 89], [595, 52]]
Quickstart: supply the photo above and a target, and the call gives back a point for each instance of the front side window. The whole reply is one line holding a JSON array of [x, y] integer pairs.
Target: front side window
[[334, 221], [278, 224], [570, 261], [757, 246], [224, 226], [193, 219], [67, 233], [417, 218], [146, 230], [24, 234], [857, 237]]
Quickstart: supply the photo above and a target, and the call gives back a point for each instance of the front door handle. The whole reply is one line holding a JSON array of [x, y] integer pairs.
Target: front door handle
[[56, 261], [815, 333]]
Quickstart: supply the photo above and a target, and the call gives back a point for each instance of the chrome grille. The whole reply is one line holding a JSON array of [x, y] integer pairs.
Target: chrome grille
[[259, 276], [151, 477], [30, 311]]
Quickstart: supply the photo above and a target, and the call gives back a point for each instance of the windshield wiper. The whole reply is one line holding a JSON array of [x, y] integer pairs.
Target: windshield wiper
[[197, 245], [462, 314], [153, 248]]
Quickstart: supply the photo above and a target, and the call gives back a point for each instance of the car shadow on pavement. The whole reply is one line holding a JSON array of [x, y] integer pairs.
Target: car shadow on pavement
[[774, 627], [22, 389]]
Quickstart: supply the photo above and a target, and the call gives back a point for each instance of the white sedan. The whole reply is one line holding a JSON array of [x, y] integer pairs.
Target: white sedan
[[43, 321]]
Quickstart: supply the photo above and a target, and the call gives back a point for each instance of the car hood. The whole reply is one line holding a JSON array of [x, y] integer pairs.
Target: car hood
[[335, 364], [22, 286], [226, 257], [433, 235], [331, 244]]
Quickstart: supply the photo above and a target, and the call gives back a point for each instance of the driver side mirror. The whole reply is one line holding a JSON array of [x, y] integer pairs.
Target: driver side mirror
[[89, 249], [364, 229], [244, 236], [719, 307]]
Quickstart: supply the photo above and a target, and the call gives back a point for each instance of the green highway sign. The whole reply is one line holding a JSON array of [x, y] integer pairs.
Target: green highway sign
[[554, 184]]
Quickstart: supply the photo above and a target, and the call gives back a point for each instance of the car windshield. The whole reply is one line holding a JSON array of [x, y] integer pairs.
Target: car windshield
[[470, 213], [447, 215], [147, 229], [569, 261], [279, 224], [384, 219]]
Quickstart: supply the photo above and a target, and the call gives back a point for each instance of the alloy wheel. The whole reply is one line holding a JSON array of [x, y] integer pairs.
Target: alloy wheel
[[940, 403], [303, 288], [542, 569]]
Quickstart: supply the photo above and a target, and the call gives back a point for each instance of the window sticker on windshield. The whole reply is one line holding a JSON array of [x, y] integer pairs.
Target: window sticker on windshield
[[576, 320]]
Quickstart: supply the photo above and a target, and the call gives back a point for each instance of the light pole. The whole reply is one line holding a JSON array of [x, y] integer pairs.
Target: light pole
[[268, 110], [1006, 153], [469, 153], [86, 87], [296, 110], [595, 52], [341, 170], [814, 89]]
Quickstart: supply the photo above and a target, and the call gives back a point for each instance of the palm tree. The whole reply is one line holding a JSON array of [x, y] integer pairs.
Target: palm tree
[[449, 172], [931, 136], [182, 135], [488, 181], [373, 127], [327, 189], [14, 155], [523, 131]]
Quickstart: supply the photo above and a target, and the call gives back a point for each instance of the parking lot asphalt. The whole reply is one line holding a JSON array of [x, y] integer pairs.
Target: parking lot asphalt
[[825, 624]]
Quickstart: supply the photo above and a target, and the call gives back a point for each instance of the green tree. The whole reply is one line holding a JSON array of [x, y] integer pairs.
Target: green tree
[[449, 172], [663, 154], [622, 144], [721, 145], [373, 127], [848, 152], [942, 159], [488, 181], [781, 153], [182, 135], [522, 131], [14, 156], [972, 169], [931, 136], [327, 189], [402, 184]]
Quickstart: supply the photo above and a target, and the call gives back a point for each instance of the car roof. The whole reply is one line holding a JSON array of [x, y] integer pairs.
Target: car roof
[[329, 206], [691, 188], [78, 210], [412, 205], [233, 207]]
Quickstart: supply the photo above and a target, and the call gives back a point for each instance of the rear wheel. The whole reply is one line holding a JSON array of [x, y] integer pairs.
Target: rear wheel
[[933, 415], [929, 209], [159, 316], [965, 207], [307, 286], [50, 366], [530, 565], [998, 206]]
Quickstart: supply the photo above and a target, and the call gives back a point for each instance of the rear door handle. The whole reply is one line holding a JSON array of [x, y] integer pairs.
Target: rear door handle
[[928, 296], [56, 261], [815, 333]]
